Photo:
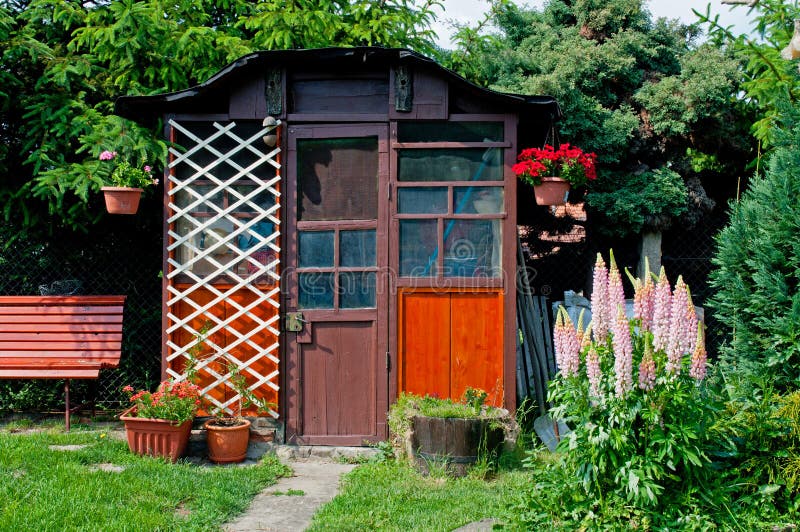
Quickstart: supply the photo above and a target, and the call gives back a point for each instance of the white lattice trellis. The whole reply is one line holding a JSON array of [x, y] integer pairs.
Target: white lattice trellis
[[198, 242]]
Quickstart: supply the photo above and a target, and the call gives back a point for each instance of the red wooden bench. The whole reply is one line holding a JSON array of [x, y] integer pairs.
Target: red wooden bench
[[59, 337]]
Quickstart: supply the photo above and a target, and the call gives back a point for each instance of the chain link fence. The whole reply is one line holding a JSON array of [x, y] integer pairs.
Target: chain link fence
[[121, 255], [560, 250]]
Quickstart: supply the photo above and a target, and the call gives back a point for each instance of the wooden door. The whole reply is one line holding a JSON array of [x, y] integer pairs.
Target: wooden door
[[337, 374]]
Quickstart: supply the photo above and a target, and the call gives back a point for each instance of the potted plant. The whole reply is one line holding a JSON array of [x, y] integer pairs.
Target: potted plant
[[125, 185], [553, 171], [228, 434], [159, 423], [431, 430]]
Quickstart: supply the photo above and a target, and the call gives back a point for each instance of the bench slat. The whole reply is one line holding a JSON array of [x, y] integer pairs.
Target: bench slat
[[61, 300], [66, 336], [49, 373], [86, 328], [59, 346], [61, 318], [104, 354], [58, 311]]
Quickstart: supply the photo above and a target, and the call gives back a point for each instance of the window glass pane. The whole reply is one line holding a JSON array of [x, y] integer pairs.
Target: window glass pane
[[223, 169], [418, 248], [183, 198], [315, 290], [337, 179], [263, 200], [315, 249], [450, 131], [357, 248], [357, 290], [422, 200], [255, 237], [451, 164], [477, 200], [472, 248]]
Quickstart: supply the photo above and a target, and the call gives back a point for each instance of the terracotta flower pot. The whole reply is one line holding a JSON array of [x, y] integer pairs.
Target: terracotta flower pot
[[227, 444], [122, 200], [156, 437], [552, 191]]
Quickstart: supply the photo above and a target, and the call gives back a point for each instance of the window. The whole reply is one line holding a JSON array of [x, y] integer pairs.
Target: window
[[451, 197]]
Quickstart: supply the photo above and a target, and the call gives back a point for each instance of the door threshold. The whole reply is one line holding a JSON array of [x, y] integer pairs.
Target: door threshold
[[323, 453]]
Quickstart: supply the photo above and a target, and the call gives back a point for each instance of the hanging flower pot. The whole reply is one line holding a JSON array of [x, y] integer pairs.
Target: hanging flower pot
[[565, 167], [122, 200], [551, 191], [125, 184]]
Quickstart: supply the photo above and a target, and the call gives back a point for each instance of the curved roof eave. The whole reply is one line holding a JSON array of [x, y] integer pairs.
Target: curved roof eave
[[137, 106]]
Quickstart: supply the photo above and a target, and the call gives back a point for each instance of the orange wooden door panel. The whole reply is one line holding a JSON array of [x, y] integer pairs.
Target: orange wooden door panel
[[424, 343], [261, 366], [476, 353], [182, 337]]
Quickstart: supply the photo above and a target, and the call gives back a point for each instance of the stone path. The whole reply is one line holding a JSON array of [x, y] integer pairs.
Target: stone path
[[289, 505]]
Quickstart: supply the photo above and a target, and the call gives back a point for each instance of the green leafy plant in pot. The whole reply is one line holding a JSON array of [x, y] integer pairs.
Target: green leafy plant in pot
[[124, 184], [228, 434]]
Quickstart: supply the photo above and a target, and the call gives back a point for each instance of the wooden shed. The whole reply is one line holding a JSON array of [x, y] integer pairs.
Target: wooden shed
[[361, 244]]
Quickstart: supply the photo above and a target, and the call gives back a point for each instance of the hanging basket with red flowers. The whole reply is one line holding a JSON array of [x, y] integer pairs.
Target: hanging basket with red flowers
[[553, 171]]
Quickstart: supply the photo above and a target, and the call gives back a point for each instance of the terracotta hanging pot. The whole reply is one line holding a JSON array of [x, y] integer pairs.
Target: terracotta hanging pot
[[552, 191], [227, 443], [122, 200], [156, 437]]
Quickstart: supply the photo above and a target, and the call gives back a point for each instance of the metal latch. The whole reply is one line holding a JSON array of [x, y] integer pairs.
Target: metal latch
[[294, 321]]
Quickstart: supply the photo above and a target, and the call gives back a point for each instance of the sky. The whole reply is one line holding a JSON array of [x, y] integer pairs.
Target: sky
[[469, 11]]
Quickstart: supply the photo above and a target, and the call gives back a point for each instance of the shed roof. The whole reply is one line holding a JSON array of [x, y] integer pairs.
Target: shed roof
[[138, 107]]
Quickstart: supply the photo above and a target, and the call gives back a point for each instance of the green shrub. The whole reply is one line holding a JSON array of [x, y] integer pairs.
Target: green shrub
[[758, 273]]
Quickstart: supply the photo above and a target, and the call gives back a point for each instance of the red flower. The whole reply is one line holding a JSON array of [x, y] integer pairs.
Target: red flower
[[567, 162]]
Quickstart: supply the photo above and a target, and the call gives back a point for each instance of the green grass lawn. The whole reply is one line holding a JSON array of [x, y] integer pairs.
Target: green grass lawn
[[44, 489], [393, 496]]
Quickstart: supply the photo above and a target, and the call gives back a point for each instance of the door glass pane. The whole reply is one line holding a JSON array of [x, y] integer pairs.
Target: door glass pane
[[315, 249], [315, 290], [337, 179], [418, 248], [477, 200], [472, 248], [357, 248], [451, 164], [357, 290], [449, 131], [422, 200]]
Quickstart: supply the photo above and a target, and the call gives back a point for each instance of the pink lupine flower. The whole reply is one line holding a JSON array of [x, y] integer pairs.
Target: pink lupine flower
[[570, 346], [690, 340], [107, 155], [698, 368], [677, 323], [593, 372], [147, 168], [662, 299], [623, 354], [586, 339], [647, 369], [616, 294], [643, 303], [558, 339], [600, 321]]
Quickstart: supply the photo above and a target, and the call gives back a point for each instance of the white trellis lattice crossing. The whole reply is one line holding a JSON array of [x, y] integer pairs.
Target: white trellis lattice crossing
[[224, 257]]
